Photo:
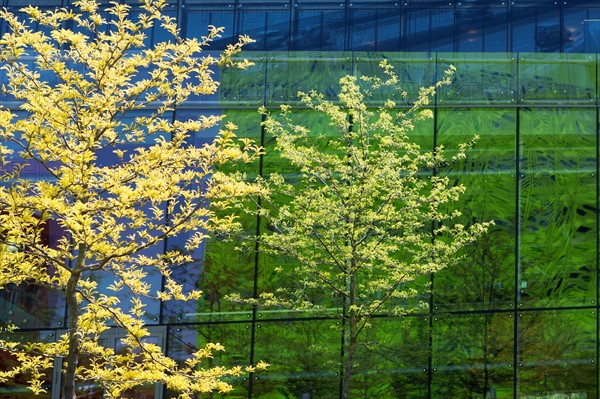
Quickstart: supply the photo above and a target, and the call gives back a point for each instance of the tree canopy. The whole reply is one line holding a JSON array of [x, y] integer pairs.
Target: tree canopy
[[115, 180], [369, 210]]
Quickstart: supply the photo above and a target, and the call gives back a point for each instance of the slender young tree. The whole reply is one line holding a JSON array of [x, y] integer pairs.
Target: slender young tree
[[79, 89], [370, 213]]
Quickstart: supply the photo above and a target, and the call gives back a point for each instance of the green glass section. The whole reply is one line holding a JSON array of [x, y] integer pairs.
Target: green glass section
[[480, 78], [393, 361], [288, 73], [557, 186], [235, 337], [557, 78], [304, 358], [484, 277], [473, 356], [228, 265], [557, 354], [534, 112], [414, 70], [244, 87]]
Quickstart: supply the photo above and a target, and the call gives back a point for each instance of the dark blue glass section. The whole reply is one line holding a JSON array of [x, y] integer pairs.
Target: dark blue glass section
[[375, 29], [195, 22], [315, 29]]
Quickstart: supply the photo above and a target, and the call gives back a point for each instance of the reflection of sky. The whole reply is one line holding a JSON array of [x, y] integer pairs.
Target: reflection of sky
[[591, 35]]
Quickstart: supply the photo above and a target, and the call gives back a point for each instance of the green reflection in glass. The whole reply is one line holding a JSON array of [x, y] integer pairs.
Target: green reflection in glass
[[244, 87], [304, 358], [485, 277], [305, 71], [480, 78], [549, 78], [235, 337], [557, 352], [473, 356], [228, 263], [414, 70], [557, 207], [393, 362]]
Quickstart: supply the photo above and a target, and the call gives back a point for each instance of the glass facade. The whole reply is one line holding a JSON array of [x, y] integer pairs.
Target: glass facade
[[519, 317]]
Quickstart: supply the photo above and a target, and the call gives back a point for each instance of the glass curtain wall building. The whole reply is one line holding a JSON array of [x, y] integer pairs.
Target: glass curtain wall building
[[519, 317]]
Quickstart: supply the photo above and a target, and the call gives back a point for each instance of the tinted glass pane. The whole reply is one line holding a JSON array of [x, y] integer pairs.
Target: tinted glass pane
[[557, 354], [574, 29], [551, 78], [537, 28], [319, 29], [302, 71], [591, 35], [244, 87], [304, 358], [216, 264], [414, 70], [30, 305], [557, 207], [393, 359], [480, 78], [270, 28], [415, 29], [17, 388], [196, 21], [374, 27], [185, 340], [473, 356], [484, 279]]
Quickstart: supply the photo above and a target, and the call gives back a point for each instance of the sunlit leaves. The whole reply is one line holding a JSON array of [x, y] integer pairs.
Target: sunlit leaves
[[370, 214], [81, 93]]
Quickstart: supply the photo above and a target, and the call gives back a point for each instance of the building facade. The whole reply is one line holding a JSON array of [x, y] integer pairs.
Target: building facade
[[519, 317]]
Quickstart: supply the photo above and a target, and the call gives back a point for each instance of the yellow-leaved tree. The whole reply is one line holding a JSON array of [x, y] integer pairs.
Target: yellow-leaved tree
[[370, 211], [118, 182]]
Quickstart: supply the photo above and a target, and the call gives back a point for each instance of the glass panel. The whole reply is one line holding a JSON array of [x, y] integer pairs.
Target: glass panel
[[558, 207], [17, 388], [375, 27], [31, 305], [480, 78], [557, 354], [236, 338], [253, 22], [591, 35], [473, 356], [443, 20], [275, 272], [224, 266], [304, 358], [319, 29], [244, 87], [470, 24], [106, 278], [305, 71], [536, 27], [552, 78], [574, 27], [484, 279], [416, 29], [495, 27], [267, 24], [392, 361], [196, 21], [414, 70]]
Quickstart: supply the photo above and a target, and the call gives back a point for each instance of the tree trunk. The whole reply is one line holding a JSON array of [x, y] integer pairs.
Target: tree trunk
[[348, 367], [73, 348], [352, 323]]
